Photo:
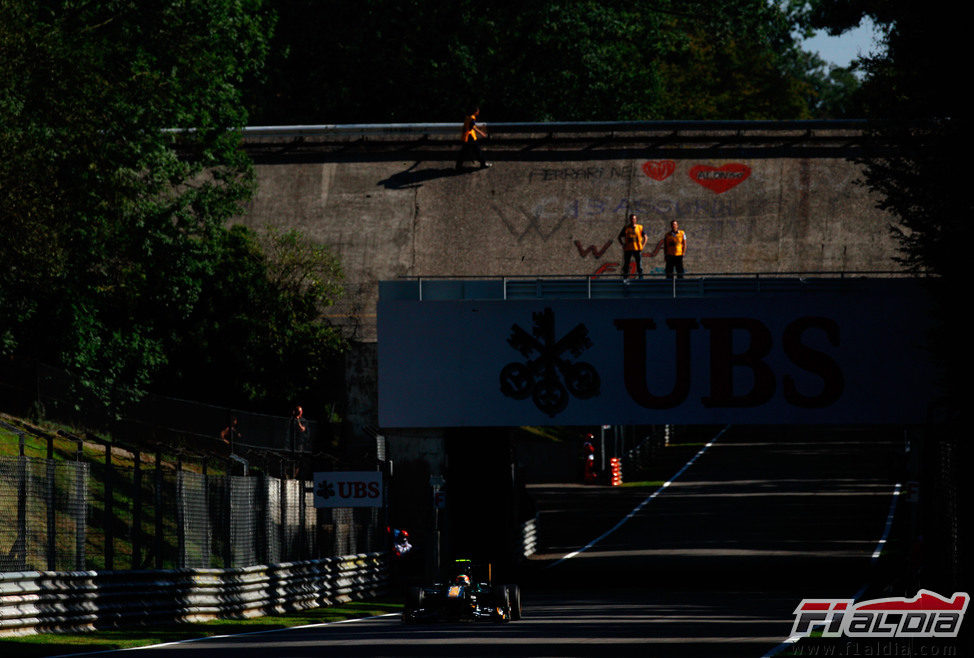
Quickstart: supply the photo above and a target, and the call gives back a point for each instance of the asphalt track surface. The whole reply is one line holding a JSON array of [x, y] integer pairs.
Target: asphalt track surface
[[713, 565]]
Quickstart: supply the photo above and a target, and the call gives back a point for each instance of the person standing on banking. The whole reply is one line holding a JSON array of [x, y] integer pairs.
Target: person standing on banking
[[633, 239], [674, 245]]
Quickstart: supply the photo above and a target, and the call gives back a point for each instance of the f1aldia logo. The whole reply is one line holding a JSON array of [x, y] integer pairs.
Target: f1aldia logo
[[547, 375], [925, 615]]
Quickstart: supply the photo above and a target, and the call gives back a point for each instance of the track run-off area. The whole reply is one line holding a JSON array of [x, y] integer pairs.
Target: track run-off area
[[713, 563]]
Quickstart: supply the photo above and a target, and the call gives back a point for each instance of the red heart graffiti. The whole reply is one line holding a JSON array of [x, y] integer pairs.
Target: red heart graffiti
[[720, 179], [659, 169]]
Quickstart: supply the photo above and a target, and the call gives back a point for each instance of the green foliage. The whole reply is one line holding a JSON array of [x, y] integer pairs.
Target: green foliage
[[358, 61], [911, 95], [119, 127], [256, 338]]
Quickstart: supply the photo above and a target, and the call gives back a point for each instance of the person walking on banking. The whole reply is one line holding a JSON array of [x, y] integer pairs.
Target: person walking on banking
[[469, 148], [633, 239], [674, 245]]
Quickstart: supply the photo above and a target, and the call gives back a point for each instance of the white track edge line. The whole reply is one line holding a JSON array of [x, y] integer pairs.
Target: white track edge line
[[217, 637], [641, 505], [897, 490]]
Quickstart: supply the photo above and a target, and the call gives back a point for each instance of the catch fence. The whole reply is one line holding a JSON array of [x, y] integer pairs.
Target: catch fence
[[58, 515]]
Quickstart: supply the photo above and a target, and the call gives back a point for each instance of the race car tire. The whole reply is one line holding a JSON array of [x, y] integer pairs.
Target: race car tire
[[414, 603], [414, 598], [501, 601], [514, 602]]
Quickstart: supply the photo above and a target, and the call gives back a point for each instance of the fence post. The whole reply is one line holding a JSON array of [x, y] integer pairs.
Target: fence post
[[302, 553], [19, 550], [260, 518], [157, 540], [80, 519], [51, 525], [284, 556], [180, 514], [109, 511], [225, 522], [137, 511]]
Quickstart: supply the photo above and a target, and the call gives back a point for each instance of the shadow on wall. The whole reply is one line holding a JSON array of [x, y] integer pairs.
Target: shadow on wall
[[412, 178]]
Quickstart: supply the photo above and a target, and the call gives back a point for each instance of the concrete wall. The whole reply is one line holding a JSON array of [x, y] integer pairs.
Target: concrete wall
[[751, 198]]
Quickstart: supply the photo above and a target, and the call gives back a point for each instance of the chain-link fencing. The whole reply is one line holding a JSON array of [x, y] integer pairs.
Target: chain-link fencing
[[43, 511], [61, 515]]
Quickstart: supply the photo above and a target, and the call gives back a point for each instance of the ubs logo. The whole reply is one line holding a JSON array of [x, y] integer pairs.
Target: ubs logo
[[548, 374]]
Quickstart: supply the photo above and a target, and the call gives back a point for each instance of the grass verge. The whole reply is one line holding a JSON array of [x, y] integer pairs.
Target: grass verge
[[56, 644]]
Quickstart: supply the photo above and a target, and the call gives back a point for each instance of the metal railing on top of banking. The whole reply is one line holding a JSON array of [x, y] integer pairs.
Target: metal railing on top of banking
[[586, 286], [552, 127], [834, 138]]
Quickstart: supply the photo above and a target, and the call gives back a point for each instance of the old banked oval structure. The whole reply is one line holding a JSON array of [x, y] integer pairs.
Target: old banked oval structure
[[769, 202]]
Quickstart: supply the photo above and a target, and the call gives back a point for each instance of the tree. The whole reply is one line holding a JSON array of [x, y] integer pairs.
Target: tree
[[359, 61], [257, 339], [121, 163], [912, 99]]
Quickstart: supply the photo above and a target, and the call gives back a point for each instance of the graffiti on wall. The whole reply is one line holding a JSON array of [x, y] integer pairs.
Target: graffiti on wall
[[719, 179], [553, 174], [596, 208], [716, 179], [548, 214], [659, 169], [543, 219]]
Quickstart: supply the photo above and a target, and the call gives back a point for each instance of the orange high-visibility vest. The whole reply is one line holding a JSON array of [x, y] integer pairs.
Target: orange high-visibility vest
[[468, 128], [633, 238], [676, 243]]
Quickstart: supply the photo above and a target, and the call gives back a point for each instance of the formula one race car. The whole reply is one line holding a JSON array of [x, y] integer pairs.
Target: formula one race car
[[463, 598]]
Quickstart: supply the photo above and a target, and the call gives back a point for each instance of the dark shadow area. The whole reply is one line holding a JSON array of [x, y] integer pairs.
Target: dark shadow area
[[769, 509], [482, 503], [413, 178]]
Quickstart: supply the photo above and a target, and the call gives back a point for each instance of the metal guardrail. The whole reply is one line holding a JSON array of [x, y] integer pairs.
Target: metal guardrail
[[573, 286], [367, 130], [44, 601], [526, 140]]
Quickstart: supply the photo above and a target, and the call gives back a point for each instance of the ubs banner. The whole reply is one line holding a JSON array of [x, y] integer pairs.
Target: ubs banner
[[801, 358]]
